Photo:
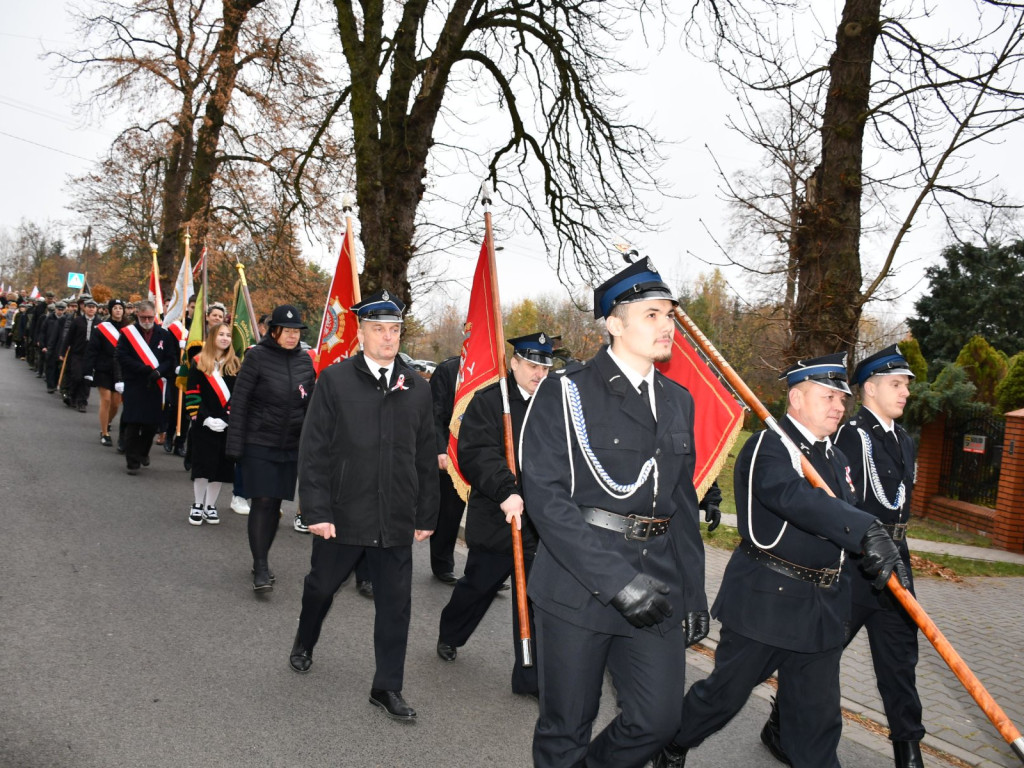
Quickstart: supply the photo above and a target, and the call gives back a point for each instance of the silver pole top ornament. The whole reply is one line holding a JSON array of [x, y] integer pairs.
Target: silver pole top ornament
[[485, 193], [348, 200]]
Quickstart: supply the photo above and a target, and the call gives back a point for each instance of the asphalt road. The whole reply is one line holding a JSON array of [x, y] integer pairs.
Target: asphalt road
[[130, 638]]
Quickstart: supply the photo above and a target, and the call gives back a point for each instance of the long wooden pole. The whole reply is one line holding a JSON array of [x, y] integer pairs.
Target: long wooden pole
[[183, 354], [945, 649], [518, 563]]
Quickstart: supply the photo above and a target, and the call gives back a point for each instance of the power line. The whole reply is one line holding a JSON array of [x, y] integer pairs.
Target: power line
[[45, 146]]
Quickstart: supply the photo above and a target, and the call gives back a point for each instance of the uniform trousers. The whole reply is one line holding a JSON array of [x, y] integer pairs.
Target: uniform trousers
[[390, 570], [892, 636], [808, 697], [473, 595], [52, 369], [648, 671], [449, 515], [138, 439]]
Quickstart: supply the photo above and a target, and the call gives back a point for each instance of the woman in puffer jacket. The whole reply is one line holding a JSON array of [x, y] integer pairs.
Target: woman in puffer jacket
[[268, 406]]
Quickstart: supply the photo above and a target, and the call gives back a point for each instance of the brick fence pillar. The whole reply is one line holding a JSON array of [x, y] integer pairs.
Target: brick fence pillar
[[1008, 532], [929, 465]]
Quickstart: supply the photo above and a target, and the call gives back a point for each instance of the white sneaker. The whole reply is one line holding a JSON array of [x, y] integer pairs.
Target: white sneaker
[[240, 505], [195, 515], [298, 525], [211, 516]]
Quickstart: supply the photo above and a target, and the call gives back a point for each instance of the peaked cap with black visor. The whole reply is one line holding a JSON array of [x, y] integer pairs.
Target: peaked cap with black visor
[[536, 348], [886, 362], [381, 307], [639, 281], [827, 370]]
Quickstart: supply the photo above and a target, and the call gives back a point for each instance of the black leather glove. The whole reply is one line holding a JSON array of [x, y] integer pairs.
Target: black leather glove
[[881, 557], [643, 601], [712, 516], [696, 625], [154, 377]]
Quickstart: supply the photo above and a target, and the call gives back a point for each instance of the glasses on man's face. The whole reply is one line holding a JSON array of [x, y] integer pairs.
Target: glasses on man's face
[[146, 317]]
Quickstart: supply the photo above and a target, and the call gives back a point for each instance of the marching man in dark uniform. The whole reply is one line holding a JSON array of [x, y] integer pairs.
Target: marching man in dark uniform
[[368, 487], [881, 456], [147, 356], [783, 602], [450, 505], [495, 501], [75, 347], [618, 580]]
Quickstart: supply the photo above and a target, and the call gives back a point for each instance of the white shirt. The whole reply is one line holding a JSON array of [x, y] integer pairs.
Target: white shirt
[[635, 378], [890, 427], [375, 367], [811, 438]]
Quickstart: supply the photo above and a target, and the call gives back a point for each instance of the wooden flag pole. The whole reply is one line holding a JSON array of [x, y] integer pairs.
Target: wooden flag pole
[[518, 563], [182, 353]]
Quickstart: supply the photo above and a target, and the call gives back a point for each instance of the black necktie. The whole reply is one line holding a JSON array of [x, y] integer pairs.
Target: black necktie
[[383, 379], [645, 395], [821, 448]]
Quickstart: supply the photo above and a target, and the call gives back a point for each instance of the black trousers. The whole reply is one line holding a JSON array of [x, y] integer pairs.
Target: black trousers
[[473, 595], [390, 570], [810, 717], [648, 671], [138, 439], [892, 635], [446, 530], [52, 369]]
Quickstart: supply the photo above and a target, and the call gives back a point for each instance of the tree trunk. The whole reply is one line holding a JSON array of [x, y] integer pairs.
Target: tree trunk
[[176, 176], [828, 303]]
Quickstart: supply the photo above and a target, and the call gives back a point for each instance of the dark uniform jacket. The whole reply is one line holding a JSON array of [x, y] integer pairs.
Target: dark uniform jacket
[[272, 392], [99, 354], [51, 332], [368, 459], [893, 464], [76, 342], [771, 607], [143, 399], [483, 464], [579, 568], [442, 389]]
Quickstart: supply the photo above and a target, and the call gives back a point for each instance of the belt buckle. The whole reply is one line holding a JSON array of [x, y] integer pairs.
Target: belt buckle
[[635, 521], [899, 532], [828, 579]]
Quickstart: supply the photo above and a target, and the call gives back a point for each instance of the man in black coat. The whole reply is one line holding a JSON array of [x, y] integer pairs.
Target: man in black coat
[[368, 487], [882, 456], [783, 603], [450, 505], [495, 502], [147, 356], [608, 460], [75, 346], [51, 336]]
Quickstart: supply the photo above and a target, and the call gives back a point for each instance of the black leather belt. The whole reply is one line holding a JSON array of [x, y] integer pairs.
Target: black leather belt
[[823, 577], [898, 531], [635, 527]]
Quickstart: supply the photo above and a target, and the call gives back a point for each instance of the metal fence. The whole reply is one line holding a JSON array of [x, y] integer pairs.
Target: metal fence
[[972, 454]]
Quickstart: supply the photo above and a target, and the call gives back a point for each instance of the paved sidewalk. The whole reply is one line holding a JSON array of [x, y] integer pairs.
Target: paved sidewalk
[[983, 618]]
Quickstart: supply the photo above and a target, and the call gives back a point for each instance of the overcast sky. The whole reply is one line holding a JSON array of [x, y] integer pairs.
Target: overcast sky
[[43, 142]]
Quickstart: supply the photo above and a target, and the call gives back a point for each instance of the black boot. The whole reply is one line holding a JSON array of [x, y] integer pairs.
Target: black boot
[[907, 754], [671, 756], [261, 576], [771, 735]]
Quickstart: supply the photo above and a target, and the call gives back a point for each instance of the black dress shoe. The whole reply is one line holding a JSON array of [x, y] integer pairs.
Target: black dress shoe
[[504, 587], [392, 703], [670, 757], [145, 461], [261, 577], [446, 578], [446, 651], [771, 735], [168, 446], [273, 578], [300, 659], [365, 588]]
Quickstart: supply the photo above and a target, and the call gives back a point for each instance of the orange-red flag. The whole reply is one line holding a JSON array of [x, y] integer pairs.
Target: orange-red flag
[[717, 416], [478, 365], [338, 328]]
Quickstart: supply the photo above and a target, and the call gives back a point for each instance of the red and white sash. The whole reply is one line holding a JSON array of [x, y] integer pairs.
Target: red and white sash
[[142, 350], [220, 387], [178, 329], [110, 332]]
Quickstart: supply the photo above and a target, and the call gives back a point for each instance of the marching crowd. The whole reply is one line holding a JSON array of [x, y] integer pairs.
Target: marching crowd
[[601, 492]]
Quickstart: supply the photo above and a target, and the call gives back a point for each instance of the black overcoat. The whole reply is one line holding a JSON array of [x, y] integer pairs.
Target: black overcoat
[[368, 458], [483, 464], [579, 568], [894, 465], [143, 399], [801, 524]]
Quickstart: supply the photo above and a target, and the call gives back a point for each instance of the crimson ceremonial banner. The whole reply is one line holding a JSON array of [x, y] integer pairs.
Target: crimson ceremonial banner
[[478, 365], [718, 418], [338, 329]]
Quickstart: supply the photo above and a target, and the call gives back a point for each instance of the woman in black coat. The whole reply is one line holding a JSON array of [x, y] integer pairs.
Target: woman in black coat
[[268, 406], [101, 366], [211, 379]]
